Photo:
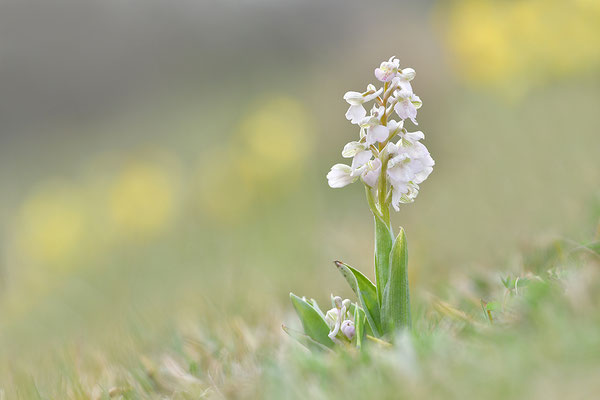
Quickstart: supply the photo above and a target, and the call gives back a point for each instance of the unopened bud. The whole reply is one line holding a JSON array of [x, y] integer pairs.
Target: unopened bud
[[337, 300], [347, 329]]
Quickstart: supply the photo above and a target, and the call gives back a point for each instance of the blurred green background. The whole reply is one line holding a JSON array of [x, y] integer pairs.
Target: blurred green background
[[160, 160]]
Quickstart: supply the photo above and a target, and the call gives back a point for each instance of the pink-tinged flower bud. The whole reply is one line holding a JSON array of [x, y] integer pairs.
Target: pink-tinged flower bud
[[387, 70], [347, 329]]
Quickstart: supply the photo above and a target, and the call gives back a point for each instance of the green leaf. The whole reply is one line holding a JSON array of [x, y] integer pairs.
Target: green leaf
[[383, 248], [314, 325], [366, 292], [594, 246], [488, 308], [305, 340], [395, 310], [314, 305], [359, 326]]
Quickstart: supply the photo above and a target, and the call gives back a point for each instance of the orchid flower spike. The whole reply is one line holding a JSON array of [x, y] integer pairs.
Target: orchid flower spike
[[388, 159]]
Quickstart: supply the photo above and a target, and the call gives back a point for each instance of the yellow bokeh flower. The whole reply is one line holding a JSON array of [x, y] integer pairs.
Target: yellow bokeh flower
[[142, 198], [273, 138], [262, 155], [477, 34], [511, 46], [51, 223]]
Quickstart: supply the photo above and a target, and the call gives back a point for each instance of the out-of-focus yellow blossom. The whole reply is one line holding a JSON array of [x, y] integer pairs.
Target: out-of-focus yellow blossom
[[142, 198], [263, 154], [511, 46], [274, 137], [51, 224]]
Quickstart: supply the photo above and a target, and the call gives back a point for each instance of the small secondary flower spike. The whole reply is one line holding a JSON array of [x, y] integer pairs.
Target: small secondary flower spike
[[391, 163]]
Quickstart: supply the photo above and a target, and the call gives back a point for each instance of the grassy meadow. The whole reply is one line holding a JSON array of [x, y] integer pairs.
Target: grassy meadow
[[162, 180]]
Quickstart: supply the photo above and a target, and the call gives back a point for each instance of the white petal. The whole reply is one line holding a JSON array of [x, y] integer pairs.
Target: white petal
[[395, 126], [372, 96], [405, 109], [339, 176], [407, 74], [400, 157], [371, 175], [402, 86], [350, 149], [354, 98], [404, 94], [384, 73], [412, 137], [418, 150], [405, 86], [356, 113], [397, 192], [404, 193], [423, 174], [377, 133], [358, 171], [416, 101], [400, 174], [392, 148], [357, 98], [361, 159]]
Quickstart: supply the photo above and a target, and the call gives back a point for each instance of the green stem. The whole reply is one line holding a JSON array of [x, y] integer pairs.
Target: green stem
[[384, 207], [371, 202]]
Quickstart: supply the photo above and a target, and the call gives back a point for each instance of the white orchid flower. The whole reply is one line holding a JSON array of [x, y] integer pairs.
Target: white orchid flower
[[399, 83], [387, 70], [357, 98], [359, 151], [375, 132], [422, 162], [409, 138], [340, 175], [395, 127], [405, 193], [351, 148], [407, 74], [369, 172], [407, 105], [361, 159], [409, 162], [356, 112]]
